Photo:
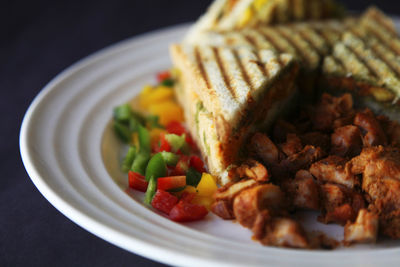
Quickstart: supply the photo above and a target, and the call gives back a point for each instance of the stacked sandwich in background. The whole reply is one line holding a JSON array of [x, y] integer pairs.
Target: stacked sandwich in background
[[236, 74]]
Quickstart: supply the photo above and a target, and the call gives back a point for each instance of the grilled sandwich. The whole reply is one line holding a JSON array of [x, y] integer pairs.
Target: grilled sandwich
[[366, 62], [229, 93], [237, 14], [308, 42]]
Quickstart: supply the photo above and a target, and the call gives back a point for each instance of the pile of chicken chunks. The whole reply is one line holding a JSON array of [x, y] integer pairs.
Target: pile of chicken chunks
[[333, 159]]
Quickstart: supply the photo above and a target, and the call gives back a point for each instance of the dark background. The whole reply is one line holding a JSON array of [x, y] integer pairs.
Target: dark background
[[38, 39]]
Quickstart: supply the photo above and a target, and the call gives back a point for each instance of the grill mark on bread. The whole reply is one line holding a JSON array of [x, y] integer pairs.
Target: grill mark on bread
[[242, 69], [223, 72], [258, 61], [261, 65], [381, 21], [379, 55], [200, 65], [384, 55], [275, 43], [303, 33], [361, 60], [390, 45], [299, 51]]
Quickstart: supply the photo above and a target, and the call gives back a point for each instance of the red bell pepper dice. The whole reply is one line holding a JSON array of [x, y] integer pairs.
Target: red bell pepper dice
[[164, 201], [164, 145], [197, 163], [137, 181], [161, 76], [175, 127], [191, 143], [167, 183], [182, 166], [187, 212]]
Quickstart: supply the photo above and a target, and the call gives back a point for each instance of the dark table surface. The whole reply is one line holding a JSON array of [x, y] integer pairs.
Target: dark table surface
[[38, 40]]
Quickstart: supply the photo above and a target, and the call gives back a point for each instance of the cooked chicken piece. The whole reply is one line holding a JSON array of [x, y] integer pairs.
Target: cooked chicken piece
[[303, 191], [374, 134], [303, 159], [346, 141], [321, 240], [281, 232], [281, 130], [264, 148], [343, 121], [339, 204], [392, 130], [330, 109], [334, 169], [223, 205], [340, 215], [363, 230], [317, 139], [292, 145], [380, 167], [254, 170], [250, 202]]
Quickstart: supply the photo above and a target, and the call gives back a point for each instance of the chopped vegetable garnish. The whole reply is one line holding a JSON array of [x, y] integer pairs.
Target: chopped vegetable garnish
[[122, 132], [172, 182], [192, 177], [170, 158], [137, 181], [197, 163], [122, 113], [175, 127], [167, 111], [185, 211], [144, 140], [164, 144], [151, 190], [164, 75], [156, 167], [162, 157], [168, 82], [164, 201], [207, 185], [128, 160], [153, 122], [177, 142], [140, 163], [182, 166]]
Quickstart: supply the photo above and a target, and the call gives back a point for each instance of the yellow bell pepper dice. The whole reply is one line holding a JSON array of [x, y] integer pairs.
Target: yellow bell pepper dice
[[157, 95], [207, 185], [190, 189], [204, 201], [167, 111]]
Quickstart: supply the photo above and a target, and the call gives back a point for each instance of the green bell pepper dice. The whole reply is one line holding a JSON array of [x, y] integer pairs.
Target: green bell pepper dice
[[144, 139], [170, 158], [128, 160], [140, 163], [156, 167]]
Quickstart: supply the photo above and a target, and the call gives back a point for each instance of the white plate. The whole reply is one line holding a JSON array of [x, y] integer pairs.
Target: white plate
[[62, 139]]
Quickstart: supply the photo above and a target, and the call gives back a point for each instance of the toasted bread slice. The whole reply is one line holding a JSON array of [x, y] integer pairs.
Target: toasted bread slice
[[228, 93], [237, 14], [308, 42], [366, 62]]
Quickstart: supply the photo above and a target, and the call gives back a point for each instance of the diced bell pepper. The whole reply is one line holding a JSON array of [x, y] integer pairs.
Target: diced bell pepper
[[207, 185], [164, 201]]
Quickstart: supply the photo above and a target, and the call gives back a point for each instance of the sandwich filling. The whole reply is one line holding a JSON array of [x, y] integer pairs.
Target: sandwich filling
[[229, 93]]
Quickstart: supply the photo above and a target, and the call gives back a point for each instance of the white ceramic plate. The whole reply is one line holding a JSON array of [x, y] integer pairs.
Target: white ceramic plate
[[72, 157]]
